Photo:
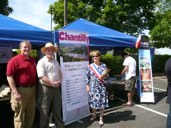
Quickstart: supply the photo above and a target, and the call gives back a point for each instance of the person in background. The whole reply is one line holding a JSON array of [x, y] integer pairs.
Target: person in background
[[130, 76], [168, 100], [21, 76], [96, 78], [49, 96]]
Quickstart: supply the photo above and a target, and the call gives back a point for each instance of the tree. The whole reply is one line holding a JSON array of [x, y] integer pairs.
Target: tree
[[129, 16], [160, 34], [4, 8]]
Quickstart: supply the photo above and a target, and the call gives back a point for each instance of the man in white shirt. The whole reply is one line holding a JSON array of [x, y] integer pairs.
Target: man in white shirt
[[130, 74], [49, 96]]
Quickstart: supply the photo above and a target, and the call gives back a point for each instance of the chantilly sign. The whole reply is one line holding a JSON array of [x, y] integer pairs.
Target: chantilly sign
[[69, 37]]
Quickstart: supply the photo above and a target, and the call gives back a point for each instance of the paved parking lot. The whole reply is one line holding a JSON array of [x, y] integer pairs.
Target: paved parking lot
[[139, 116]]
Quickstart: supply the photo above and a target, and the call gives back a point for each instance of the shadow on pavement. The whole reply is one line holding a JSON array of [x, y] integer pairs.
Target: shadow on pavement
[[159, 96], [119, 116], [111, 115]]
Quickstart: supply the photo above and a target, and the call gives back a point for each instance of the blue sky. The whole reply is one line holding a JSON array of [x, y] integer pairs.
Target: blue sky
[[33, 12]]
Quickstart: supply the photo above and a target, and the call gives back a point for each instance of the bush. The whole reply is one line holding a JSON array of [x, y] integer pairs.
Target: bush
[[115, 63], [159, 63]]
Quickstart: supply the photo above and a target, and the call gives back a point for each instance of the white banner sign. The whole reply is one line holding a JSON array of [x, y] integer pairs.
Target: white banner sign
[[74, 63], [145, 76]]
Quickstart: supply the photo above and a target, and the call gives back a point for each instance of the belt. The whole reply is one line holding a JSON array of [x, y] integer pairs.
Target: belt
[[26, 86]]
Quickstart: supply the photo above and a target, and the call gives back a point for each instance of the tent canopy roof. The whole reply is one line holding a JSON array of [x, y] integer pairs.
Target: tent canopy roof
[[100, 35], [13, 31]]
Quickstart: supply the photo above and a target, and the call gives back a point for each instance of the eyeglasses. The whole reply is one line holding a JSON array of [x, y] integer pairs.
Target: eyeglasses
[[96, 56]]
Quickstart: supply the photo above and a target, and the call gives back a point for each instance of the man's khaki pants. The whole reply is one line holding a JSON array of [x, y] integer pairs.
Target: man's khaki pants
[[24, 110]]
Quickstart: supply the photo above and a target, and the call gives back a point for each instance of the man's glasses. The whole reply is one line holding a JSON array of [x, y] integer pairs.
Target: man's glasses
[[95, 56]]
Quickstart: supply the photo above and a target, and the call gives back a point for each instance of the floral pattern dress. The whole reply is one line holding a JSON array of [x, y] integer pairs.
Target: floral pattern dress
[[98, 96]]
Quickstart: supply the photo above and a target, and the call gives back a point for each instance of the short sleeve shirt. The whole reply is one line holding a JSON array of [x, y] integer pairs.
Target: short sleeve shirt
[[131, 63], [49, 68], [23, 70]]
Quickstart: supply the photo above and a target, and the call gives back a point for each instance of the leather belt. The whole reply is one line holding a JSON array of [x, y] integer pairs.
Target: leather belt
[[26, 86]]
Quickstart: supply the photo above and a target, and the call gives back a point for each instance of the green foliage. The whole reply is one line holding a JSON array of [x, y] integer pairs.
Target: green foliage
[[128, 16], [76, 9], [4, 8], [160, 33], [125, 16], [33, 53], [159, 63], [115, 63]]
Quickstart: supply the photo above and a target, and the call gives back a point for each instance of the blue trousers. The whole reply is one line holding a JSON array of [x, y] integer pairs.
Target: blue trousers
[[169, 118]]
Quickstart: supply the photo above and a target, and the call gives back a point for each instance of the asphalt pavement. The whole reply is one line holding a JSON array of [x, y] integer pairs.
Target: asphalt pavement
[[140, 115]]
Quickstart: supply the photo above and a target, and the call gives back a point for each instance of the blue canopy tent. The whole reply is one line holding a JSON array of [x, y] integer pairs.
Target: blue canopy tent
[[100, 36], [13, 31]]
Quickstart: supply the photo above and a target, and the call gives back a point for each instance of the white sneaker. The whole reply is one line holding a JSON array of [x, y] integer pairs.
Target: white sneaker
[[51, 125], [101, 121]]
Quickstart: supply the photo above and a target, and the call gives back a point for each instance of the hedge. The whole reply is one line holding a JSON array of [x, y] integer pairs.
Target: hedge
[[115, 63]]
